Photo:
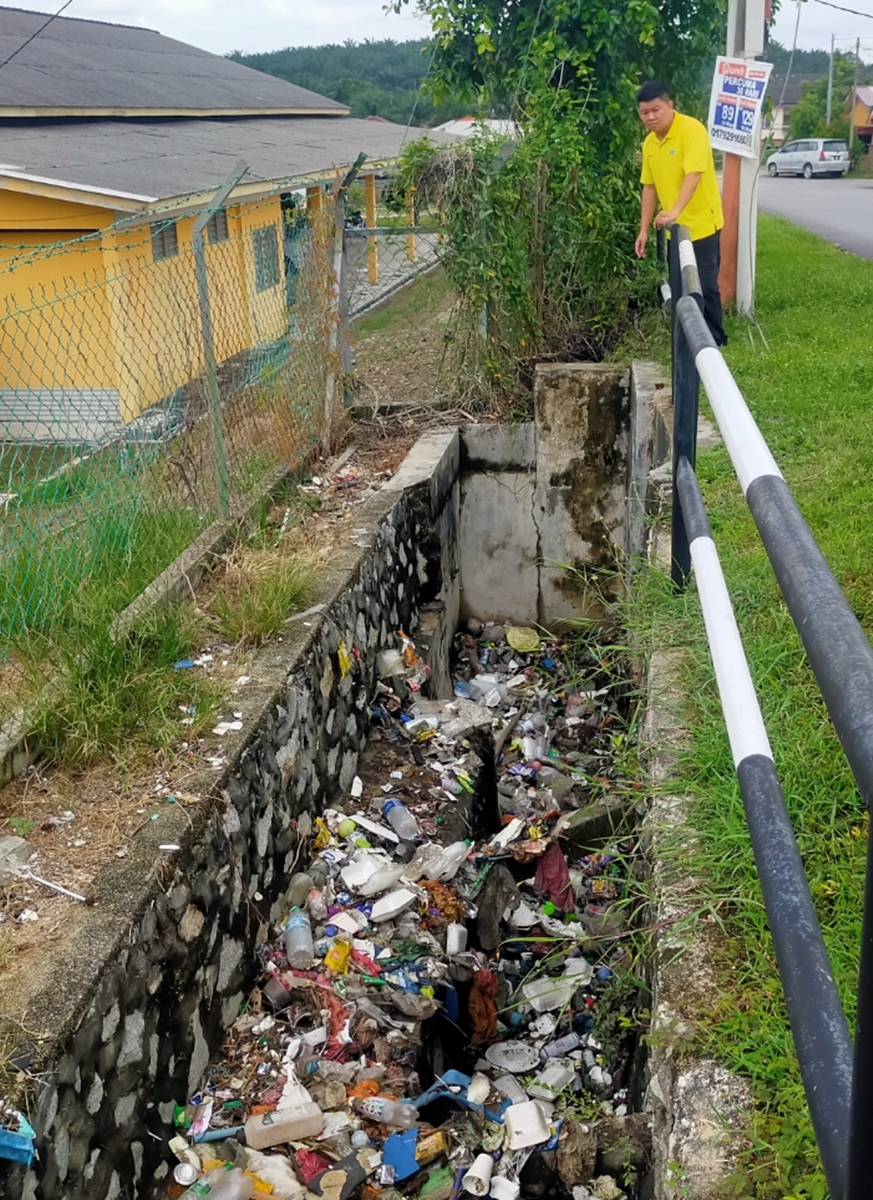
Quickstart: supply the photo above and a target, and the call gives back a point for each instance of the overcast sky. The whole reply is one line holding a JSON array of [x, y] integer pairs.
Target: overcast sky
[[222, 25], [818, 21]]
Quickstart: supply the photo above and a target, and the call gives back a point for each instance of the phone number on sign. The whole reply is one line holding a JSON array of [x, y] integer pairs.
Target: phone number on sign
[[729, 135]]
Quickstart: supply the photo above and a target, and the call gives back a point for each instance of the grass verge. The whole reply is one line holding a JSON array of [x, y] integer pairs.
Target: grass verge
[[258, 589], [413, 304], [122, 698], [811, 394]]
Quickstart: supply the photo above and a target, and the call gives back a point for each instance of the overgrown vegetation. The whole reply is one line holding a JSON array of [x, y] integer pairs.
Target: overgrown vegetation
[[810, 392], [258, 590], [121, 696], [540, 234]]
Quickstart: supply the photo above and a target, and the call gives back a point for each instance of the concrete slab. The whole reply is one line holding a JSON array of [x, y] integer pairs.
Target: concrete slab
[[583, 422], [498, 447], [498, 547]]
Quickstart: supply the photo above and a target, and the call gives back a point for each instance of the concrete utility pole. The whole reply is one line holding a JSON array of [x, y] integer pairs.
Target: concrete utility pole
[[830, 82], [745, 39]]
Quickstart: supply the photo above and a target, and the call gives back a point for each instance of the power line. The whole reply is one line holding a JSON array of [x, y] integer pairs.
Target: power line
[[842, 8], [44, 25], [419, 94], [791, 57]]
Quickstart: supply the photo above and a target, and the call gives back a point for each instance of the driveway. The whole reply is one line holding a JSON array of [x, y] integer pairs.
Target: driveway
[[838, 210]]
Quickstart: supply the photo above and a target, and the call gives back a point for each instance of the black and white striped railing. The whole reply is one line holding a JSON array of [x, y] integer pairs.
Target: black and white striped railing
[[838, 1082]]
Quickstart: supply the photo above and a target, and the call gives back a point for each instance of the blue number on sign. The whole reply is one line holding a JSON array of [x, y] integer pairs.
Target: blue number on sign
[[727, 114], [747, 118]]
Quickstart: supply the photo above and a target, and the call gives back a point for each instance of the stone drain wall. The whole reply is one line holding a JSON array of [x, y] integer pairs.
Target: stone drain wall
[[171, 980]]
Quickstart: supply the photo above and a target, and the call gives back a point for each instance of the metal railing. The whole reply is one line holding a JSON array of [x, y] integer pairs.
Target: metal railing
[[837, 1078]]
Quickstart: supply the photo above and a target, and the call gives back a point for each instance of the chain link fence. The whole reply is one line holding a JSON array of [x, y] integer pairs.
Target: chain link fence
[[153, 373], [140, 398], [402, 309]]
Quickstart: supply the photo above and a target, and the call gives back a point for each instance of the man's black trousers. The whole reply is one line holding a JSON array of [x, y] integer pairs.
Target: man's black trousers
[[708, 253]]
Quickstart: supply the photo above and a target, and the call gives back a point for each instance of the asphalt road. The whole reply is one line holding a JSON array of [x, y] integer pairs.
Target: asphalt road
[[838, 210]]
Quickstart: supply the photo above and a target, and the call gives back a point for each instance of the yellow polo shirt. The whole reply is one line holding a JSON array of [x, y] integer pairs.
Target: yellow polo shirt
[[685, 149]]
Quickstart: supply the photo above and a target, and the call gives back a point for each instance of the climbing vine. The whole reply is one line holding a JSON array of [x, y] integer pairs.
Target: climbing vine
[[540, 233]]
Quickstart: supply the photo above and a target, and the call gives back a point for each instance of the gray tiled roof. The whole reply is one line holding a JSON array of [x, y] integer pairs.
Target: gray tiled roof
[[90, 65], [163, 159]]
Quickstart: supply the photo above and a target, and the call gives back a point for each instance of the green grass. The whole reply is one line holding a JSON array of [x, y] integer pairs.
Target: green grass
[[59, 570], [258, 591], [410, 306], [122, 698], [812, 395], [21, 465]]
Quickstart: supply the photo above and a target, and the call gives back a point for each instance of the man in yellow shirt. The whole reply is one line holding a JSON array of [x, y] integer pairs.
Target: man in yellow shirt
[[679, 175]]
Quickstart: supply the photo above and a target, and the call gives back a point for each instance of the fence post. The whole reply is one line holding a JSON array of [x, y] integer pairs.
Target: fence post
[[211, 365], [337, 355], [410, 221], [372, 243]]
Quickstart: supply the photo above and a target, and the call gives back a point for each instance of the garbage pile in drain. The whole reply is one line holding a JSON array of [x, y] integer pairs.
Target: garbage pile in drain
[[444, 1011]]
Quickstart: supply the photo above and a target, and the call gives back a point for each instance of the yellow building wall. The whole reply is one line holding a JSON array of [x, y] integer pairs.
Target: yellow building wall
[[54, 318], [863, 117], [154, 316], [267, 308], [102, 313], [155, 309]]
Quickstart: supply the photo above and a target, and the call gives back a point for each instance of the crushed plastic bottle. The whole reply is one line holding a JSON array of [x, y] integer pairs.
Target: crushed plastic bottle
[[301, 885], [401, 820], [387, 1111]]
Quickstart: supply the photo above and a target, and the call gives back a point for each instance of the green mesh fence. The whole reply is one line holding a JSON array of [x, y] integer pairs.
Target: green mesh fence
[[117, 447]]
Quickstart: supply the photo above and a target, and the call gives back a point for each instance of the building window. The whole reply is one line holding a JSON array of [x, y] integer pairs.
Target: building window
[[216, 227], [165, 243], [266, 247]]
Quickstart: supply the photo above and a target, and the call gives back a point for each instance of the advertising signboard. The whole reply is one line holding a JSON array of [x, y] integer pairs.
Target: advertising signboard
[[736, 105]]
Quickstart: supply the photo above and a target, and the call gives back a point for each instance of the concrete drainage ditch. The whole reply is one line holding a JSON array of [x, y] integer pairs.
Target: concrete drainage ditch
[[159, 969], [471, 903]]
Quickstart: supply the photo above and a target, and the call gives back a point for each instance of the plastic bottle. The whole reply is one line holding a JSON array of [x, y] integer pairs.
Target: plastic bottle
[[563, 1045], [316, 905], [401, 820], [231, 1185], [318, 872], [299, 889], [395, 1113], [284, 1125], [299, 948]]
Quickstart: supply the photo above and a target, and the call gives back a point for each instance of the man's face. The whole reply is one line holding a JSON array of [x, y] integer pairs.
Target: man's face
[[657, 115]]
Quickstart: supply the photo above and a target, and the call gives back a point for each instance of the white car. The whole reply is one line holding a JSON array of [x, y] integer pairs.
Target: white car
[[811, 156]]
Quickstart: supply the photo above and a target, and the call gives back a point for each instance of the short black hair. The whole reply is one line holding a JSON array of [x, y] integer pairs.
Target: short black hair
[[653, 90]]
